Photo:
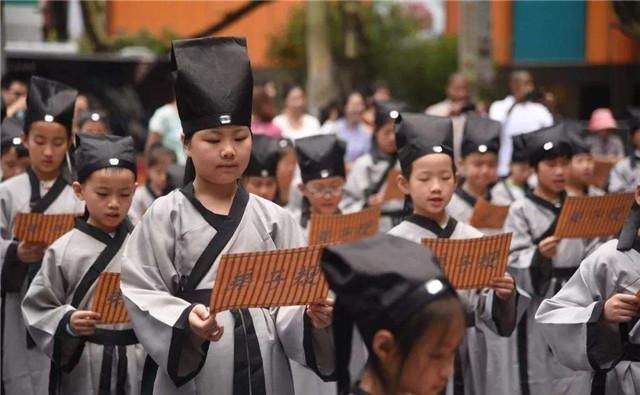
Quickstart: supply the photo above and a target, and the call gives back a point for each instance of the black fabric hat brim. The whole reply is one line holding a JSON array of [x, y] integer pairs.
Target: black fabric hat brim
[[213, 83], [321, 157], [94, 153], [50, 101]]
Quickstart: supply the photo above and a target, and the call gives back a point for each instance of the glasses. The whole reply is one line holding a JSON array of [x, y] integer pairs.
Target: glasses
[[333, 190]]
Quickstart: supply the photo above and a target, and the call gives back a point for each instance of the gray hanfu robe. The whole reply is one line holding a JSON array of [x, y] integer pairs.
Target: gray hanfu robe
[[142, 200], [572, 320], [503, 193], [110, 360], [483, 310], [461, 208], [25, 369], [160, 284], [501, 359], [625, 175], [531, 220], [368, 177]]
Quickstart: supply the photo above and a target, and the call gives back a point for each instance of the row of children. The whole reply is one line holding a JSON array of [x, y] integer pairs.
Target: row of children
[[407, 315]]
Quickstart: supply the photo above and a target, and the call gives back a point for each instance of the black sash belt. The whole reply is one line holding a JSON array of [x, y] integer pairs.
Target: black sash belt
[[470, 319], [113, 341], [630, 353], [248, 374], [112, 338]]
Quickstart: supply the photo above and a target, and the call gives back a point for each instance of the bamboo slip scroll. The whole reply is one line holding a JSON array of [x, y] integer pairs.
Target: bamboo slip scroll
[[593, 216], [344, 228], [269, 279], [107, 300], [488, 216], [472, 263], [42, 228]]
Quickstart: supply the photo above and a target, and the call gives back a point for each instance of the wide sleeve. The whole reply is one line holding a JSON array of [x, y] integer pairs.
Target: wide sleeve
[[353, 195], [618, 180], [149, 281], [530, 269], [13, 271], [47, 314], [572, 322]]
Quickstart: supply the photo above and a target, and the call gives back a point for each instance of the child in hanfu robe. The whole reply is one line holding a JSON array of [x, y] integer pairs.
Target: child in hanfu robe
[[428, 177], [171, 261], [87, 355], [542, 263], [591, 324], [44, 188]]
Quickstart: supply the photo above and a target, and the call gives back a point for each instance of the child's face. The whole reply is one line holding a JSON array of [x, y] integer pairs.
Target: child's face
[[12, 165], [581, 169], [552, 173], [324, 194], [265, 187], [220, 155], [107, 194], [47, 143], [429, 365], [157, 175], [635, 139], [386, 139], [520, 172], [431, 184], [480, 169]]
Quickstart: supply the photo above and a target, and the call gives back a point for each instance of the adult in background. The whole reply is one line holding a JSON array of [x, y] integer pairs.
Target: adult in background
[[165, 128], [519, 113], [294, 122], [14, 96], [352, 128], [455, 106], [605, 144], [264, 111]]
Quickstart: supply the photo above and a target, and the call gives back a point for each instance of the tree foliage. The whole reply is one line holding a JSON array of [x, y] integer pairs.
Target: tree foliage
[[372, 41]]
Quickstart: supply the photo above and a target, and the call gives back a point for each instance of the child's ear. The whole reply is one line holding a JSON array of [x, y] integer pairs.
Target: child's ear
[[186, 144], [403, 184], [301, 189], [77, 189], [384, 346]]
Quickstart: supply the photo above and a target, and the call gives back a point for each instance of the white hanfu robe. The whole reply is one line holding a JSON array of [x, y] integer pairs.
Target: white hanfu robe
[[252, 357], [573, 325], [367, 178], [110, 360], [625, 175], [504, 193], [483, 310], [531, 220], [25, 369]]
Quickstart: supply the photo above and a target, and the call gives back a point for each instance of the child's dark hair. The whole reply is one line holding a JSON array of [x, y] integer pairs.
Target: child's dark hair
[[437, 314], [561, 150], [406, 171], [21, 150], [157, 152]]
